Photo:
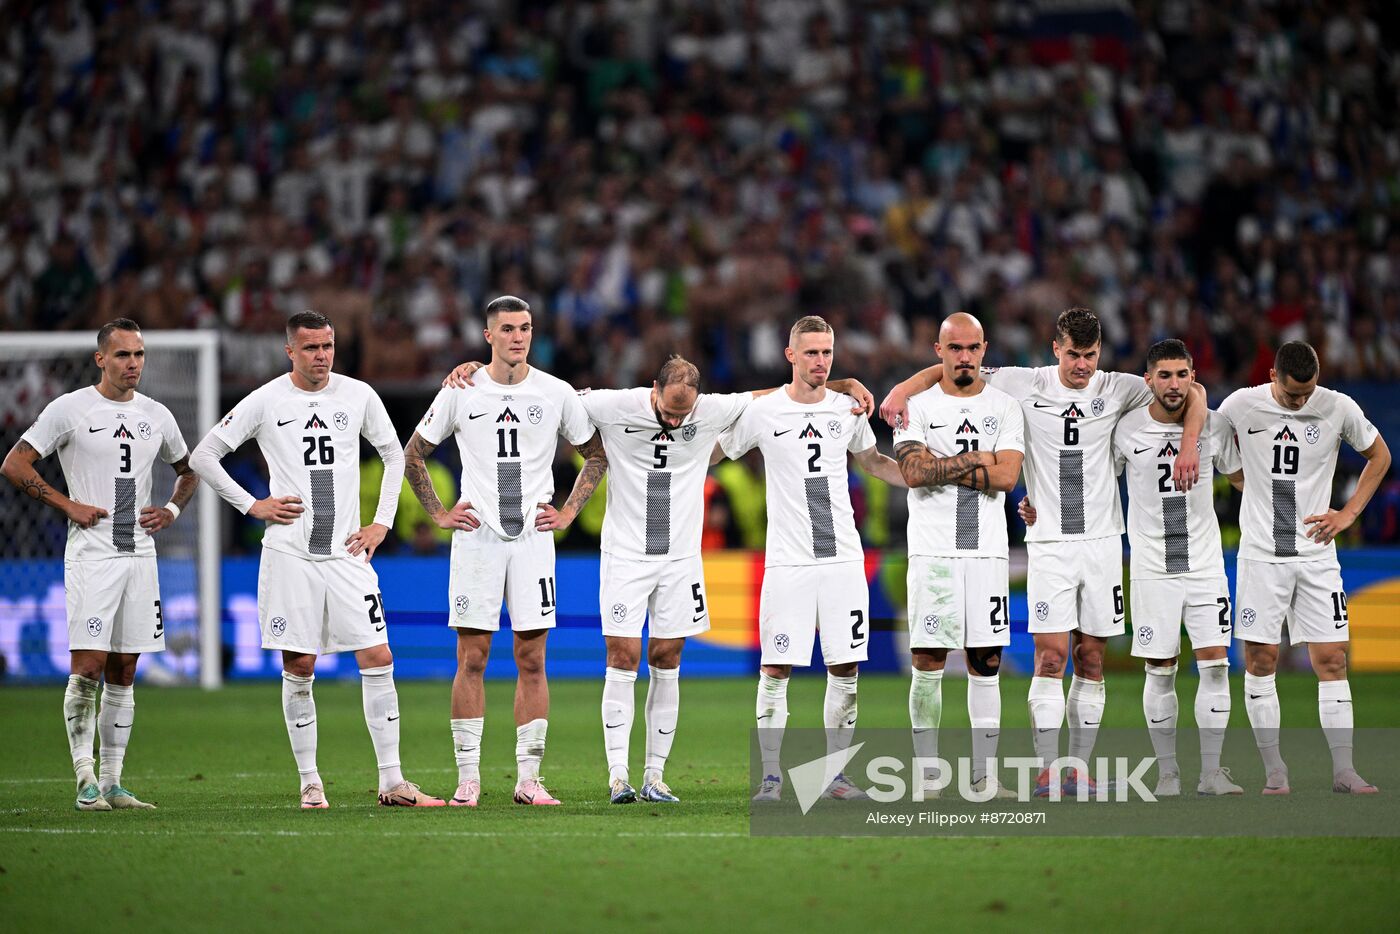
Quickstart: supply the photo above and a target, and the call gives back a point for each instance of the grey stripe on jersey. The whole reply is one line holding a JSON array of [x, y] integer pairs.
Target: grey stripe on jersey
[[1285, 519], [819, 511], [658, 513], [965, 532], [1178, 539], [1071, 492], [511, 497], [124, 516], [322, 511]]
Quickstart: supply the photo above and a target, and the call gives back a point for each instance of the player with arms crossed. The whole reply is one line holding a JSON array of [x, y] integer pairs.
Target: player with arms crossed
[[1177, 568], [107, 438], [814, 566], [1070, 412], [960, 452], [317, 591], [507, 432], [1289, 431]]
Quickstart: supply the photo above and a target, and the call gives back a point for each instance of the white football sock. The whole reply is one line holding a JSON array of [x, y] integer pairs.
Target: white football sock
[[114, 721], [1085, 708], [529, 748], [1047, 702], [299, 710], [1334, 712], [839, 711], [466, 745], [984, 712], [926, 712], [662, 712], [1261, 705], [619, 707], [1212, 710], [1159, 708], [772, 717], [381, 702], [80, 722]]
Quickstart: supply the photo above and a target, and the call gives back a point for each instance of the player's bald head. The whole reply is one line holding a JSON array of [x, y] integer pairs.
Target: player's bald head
[[961, 327]]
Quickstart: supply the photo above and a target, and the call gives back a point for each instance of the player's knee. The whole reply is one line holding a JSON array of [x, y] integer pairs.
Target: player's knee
[[1330, 664], [928, 659], [1050, 663], [90, 668], [1260, 660], [984, 660], [627, 659], [303, 666], [664, 656], [530, 662], [1088, 661]]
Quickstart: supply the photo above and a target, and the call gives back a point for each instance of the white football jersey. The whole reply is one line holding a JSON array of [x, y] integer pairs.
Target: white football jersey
[[656, 476], [507, 436], [1172, 533], [1069, 455], [1289, 460], [106, 450], [810, 519], [955, 521], [311, 442]]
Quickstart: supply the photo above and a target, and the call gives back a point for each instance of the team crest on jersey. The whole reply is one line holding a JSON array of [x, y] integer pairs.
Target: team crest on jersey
[[94, 626], [989, 424], [780, 642], [1097, 407], [279, 625], [834, 427], [619, 612], [144, 430], [460, 604], [1286, 435], [507, 416], [121, 432], [315, 421], [534, 413], [663, 435], [342, 421], [966, 428], [1168, 451], [1247, 616], [1072, 412], [931, 623], [688, 432], [1042, 610], [1313, 434], [810, 432], [1144, 636]]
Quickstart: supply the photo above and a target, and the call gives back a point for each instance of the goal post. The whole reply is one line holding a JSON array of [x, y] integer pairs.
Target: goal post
[[182, 373]]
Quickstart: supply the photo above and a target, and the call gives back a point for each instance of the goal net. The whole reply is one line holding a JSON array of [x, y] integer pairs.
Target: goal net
[[182, 373]]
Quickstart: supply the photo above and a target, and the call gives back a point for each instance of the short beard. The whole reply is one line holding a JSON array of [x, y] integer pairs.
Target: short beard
[[963, 379], [1173, 409]]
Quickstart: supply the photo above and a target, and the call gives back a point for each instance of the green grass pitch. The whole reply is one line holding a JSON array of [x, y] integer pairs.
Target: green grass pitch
[[229, 850]]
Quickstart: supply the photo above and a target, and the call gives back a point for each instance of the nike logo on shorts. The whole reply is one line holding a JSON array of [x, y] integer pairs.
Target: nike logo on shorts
[[698, 618], [546, 612]]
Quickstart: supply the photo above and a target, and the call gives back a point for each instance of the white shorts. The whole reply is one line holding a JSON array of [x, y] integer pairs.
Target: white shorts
[[487, 570], [1162, 605], [796, 602], [955, 603], [319, 607], [1076, 585], [1308, 593], [668, 595], [114, 605]]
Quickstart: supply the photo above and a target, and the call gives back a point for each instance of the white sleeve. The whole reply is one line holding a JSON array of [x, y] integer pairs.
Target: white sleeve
[[1013, 428], [739, 438], [735, 404], [205, 461], [53, 425], [440, 419], [1131, 390], [1018, 382], [574, 425], [914, 430], [378, 429], [172, 444], [1115, 450], [242, 422], [863, 438], [1226, 454], [600, 404], [1232, 410], [1356, 429]]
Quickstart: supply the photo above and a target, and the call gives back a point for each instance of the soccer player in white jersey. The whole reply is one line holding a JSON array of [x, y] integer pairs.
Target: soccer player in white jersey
[[960, 452], [1289, 431], [317, 591], [507, 430], [657, 442], [107, 438], [1177, 568], [814, 566], [1070, 412]]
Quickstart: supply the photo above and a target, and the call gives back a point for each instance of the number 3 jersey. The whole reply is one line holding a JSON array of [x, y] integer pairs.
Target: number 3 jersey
[[950, 520], [1069, 460], [311, 442], [106, 450], [804, 445], [1289, 459], [1171, 532], [507, 436]]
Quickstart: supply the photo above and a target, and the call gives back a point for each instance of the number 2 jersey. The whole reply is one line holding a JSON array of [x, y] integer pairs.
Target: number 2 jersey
[[507, 436], [106, 450], [311, 442], [1069, 458], [804, 445], [1172, 533], [1289, 460]]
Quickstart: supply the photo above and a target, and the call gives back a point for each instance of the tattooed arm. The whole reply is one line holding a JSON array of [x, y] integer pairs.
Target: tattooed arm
[[19, 470], [998, 477], [155, 518], [919, 467], [595, 465], [415, 470]]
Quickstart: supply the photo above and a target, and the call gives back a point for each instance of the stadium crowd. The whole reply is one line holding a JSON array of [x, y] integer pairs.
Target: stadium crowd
[[657, 176]]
